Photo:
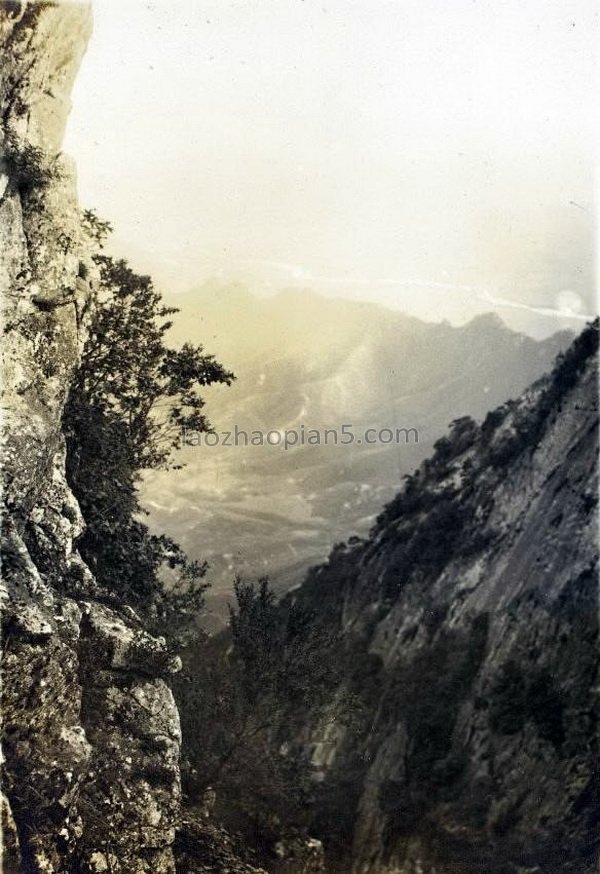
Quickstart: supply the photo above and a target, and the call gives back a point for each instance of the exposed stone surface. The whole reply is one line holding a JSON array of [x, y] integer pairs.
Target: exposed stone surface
[[40, 239], [91, 733], [470, 622], [498, 622], [91, 730]]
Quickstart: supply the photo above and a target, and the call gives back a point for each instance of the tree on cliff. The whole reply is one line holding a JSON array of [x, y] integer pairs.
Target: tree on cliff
[[129, 403]]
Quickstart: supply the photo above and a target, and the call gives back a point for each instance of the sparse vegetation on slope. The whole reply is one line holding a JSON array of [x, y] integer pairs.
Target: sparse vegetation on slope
[[481, 701]]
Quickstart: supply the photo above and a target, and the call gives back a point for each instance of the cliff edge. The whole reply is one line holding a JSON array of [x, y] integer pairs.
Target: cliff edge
[[91, 778]]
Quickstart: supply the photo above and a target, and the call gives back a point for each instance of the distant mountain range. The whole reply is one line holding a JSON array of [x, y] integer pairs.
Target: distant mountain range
[[302, 359]]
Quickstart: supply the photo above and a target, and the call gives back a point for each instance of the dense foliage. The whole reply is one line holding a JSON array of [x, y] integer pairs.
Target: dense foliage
[[241, 693], [128, 404]]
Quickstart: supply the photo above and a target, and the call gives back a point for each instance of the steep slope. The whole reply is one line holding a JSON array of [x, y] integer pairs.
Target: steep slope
[[470, 626], [91, 777], [302, 359], [90, 729]]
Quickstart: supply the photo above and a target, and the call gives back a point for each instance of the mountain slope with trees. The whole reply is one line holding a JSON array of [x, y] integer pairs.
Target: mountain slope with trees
[[469, 620], [301, 358]]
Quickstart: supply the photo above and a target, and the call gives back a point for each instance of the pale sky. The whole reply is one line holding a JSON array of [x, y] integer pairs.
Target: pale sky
[[432, 155]]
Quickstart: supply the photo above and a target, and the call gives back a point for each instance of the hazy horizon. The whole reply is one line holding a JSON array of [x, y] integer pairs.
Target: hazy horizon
[[433, 158]]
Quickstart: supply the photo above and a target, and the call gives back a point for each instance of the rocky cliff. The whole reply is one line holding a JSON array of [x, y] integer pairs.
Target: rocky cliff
[[468, 617], [91, 732], [469, 623]]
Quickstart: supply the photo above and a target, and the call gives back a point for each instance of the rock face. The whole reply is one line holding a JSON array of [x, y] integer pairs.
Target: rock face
[[91, 731], [469, 622], [469, 616]]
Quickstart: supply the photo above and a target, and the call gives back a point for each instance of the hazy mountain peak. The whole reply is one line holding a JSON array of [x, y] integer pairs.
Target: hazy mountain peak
[[490, 321]]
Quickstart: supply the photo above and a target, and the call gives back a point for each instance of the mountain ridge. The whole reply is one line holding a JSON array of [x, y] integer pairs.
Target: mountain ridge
[[332, 363], [469, 626]]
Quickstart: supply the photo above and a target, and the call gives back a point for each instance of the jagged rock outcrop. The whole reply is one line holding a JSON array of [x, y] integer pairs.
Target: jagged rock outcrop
[[91, 734], [469, 622]]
